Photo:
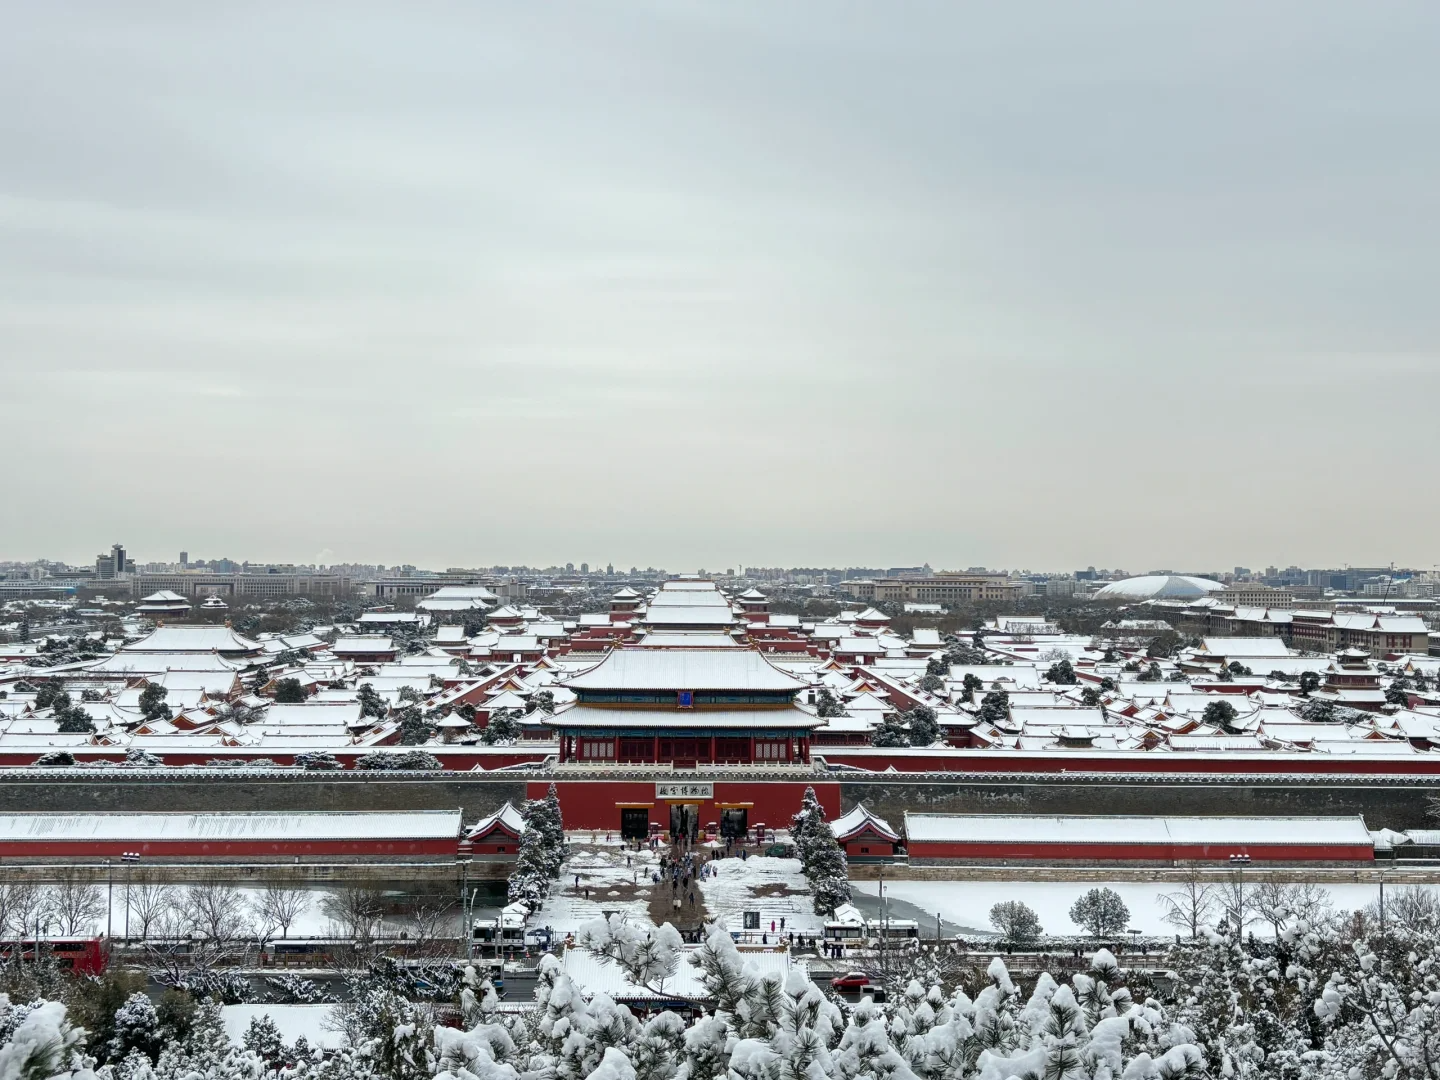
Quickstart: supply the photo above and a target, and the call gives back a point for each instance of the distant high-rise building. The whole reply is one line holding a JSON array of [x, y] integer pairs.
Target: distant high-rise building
[[109, 566], [184, 559], [584, 567]]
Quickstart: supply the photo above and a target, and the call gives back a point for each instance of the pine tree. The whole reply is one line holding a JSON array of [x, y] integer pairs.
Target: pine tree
[[262, 1038], [820, 856], [1062, 673], [995, 707], [288, 691], [1222, 714], [152, 703], [371, 704], [414, 728], [541, 852]]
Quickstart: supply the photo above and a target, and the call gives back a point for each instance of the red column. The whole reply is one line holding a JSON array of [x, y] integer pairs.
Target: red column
[[712, 749], [789, 749], [655, 748], [752, 749], [616, 755]]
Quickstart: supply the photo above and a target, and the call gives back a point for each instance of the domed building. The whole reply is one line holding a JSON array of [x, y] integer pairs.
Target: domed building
[[1159, 587]]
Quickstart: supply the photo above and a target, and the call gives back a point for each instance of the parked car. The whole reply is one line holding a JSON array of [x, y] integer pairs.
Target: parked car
[[855, 980]]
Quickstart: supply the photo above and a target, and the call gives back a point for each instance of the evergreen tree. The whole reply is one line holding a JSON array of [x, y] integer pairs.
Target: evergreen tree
[[414, 728], [502, 728], [1016, 922], [262, 1038], [1062, 673], [828, 705], [995, 707], [371, 704], [288, 691], [1222, 714], [923, 725], [152, 703], [821, 859], [1246, 1015], [1101, 912], [537, 864]]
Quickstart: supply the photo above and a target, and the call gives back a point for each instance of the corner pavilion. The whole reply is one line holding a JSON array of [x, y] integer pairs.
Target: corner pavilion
[[686, 707]]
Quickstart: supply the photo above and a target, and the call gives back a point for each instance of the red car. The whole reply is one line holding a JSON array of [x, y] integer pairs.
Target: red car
[[855, 980]]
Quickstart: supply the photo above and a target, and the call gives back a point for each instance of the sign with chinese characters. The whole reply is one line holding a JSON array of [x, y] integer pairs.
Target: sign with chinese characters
[[685, 791]]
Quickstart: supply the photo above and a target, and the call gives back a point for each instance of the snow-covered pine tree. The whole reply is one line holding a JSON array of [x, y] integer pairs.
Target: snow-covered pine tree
[[803, 826], [820, 856], [1245, 1013], [828, 872], [537, 863]]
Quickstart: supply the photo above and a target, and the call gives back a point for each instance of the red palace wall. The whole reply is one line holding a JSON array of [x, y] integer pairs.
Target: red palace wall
[[595, 804], [1123, 852]]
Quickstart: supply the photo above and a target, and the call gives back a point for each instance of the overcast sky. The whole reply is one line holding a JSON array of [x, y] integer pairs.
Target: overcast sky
[[721, 283]]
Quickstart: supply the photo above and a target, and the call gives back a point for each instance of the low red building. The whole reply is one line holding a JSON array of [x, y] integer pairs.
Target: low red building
[[1003, 838], [495, 838], [865, 837], [407, 835]]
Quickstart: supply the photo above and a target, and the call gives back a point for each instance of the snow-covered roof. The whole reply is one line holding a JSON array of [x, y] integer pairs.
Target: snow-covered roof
[[369, 643], [583, 716], [858, 819], [685, 669], [164, 596], [1078, 829], [179, 639], [689, 615], [507, 817], [1240, 648], [155, 828], [147, 663], [683, 639]]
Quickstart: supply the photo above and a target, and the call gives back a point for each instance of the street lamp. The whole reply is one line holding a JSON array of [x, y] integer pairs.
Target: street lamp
[[109, 901], [1240, 862], [466, 929], [129, 858]]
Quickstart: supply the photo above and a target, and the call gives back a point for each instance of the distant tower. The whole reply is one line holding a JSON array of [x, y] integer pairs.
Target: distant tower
[[184, 559], [584, 567], [118, 554]]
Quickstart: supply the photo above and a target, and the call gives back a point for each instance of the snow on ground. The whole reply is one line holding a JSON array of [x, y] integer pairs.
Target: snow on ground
[[292, 1021], [968, 903], [782, 892], [614, 886]]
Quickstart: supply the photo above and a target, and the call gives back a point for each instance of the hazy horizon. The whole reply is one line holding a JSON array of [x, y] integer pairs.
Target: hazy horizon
[[682, 284]]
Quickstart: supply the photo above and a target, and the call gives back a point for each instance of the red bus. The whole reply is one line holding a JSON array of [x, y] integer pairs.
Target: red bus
[[82, 955]]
